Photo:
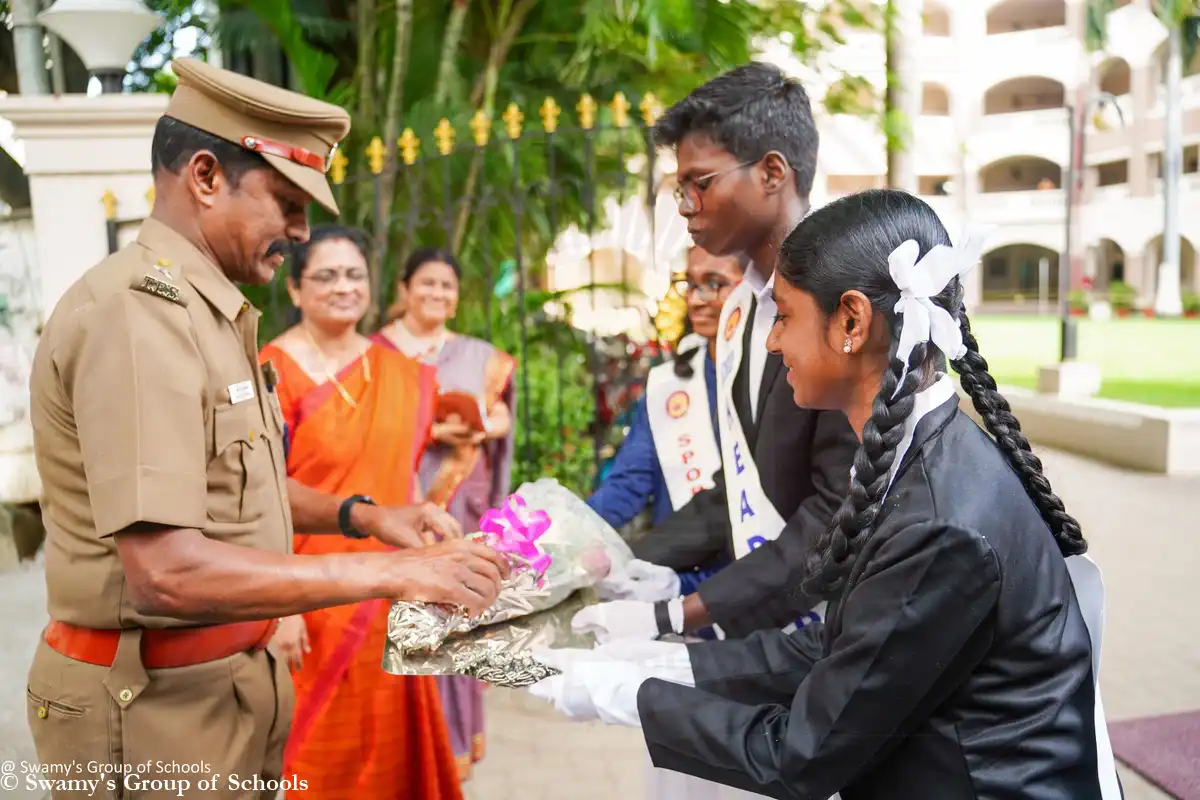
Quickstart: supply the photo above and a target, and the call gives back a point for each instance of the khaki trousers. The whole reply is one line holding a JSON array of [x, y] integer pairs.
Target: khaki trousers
[[214, 730]]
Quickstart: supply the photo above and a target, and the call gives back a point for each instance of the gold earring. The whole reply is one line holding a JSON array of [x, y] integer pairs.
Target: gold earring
[[848, 345]]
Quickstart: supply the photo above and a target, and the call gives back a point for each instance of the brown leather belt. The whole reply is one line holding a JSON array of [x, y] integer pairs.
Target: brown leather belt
[[162, 648]]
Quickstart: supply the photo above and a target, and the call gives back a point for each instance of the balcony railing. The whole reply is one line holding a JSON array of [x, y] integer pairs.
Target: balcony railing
[[1053, 52], [1189, 95], [1035, 205], [935, 145], [937, 55], [1020, 122], [1041, 133], [1049, 34]]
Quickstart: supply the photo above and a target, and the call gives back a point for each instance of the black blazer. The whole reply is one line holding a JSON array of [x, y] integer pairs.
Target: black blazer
[[956, 665], [803, 458]]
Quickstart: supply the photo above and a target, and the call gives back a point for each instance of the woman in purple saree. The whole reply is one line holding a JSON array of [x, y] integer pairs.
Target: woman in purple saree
[[463, 471]]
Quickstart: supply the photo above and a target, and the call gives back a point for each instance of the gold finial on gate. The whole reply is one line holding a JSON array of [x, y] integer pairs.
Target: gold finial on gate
[[409, 146], [375, 154], [550, 112], [620, 109], [444, 135], [150, 198], [587, 112], [110, 204], [481, 126], [337, 167], [649, 109], [512, 120]]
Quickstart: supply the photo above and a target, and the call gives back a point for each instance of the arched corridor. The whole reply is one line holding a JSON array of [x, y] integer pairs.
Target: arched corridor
[[1023, 15], [1020, 173], [1189, 276], [1020, 272], [1027, 93], [1108, 264]]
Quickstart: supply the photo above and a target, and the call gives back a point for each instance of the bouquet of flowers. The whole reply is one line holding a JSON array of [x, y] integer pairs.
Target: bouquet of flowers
[[556, 546]]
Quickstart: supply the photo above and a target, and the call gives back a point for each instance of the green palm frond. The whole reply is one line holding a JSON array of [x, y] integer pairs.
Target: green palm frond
[[1095, 23]]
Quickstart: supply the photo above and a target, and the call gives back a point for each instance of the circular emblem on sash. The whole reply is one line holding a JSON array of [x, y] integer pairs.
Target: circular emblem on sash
[[732, 323], [677, 404]]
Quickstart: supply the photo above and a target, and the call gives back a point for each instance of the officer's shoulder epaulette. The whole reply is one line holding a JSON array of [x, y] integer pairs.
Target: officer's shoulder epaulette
[[159, 282]]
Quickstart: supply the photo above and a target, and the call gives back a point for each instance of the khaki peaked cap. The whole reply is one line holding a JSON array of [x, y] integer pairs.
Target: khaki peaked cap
[[296, 134]]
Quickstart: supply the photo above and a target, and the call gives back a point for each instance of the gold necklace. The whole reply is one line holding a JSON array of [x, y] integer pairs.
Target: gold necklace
[[329, 374]]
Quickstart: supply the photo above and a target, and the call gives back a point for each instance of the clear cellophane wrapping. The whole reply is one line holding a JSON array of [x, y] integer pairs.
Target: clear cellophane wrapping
[[427, 639]]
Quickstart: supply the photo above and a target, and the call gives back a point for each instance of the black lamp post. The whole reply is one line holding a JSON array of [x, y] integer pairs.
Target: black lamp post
[[1068, 343]]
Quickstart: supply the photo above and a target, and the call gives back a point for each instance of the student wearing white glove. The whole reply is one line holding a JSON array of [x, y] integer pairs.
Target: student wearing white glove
[[960, 655]]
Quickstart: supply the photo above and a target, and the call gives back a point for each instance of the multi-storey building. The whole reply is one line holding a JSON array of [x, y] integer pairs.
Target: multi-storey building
[[992, 141]]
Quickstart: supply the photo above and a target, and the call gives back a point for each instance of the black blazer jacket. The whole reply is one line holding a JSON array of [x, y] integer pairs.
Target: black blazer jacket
[[956, 665], [803, 458]]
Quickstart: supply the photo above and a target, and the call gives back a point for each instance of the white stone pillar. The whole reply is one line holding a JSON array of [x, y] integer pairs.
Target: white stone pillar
[[77, 148]]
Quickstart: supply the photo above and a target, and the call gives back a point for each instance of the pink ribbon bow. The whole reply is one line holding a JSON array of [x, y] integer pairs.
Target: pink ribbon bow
[[513, 528]]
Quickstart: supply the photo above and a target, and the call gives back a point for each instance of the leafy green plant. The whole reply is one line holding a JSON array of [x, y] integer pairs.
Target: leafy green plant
[[1191, 303], [556, 405], [1121, 295], [1078, 300]]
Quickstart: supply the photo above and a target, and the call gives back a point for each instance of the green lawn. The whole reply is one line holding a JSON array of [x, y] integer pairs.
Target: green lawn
[[1141, 360]]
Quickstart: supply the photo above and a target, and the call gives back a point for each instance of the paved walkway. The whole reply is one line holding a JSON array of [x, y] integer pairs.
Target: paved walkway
[[1143, 533]]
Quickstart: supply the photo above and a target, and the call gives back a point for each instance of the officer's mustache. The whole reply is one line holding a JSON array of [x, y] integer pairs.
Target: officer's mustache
[[281, 248]]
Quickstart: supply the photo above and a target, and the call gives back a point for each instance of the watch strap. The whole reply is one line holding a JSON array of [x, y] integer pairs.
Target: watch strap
[[347, 528], [662, 618]]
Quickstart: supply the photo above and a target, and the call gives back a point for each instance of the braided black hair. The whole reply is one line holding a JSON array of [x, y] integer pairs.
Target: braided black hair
[[1002, 424], [845, 246]]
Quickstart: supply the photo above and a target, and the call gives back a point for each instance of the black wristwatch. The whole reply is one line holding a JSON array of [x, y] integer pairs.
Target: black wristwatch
[[344, 516], [662, 618]]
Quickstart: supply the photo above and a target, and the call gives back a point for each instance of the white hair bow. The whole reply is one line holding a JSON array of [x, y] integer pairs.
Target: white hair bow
[[920, 280]]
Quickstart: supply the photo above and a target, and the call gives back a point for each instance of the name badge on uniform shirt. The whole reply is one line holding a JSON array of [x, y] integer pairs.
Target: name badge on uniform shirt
[[241, 392]]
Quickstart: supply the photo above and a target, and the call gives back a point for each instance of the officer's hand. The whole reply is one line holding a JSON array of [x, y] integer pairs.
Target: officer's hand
[[407, 527], [291, 640], [456, 572]]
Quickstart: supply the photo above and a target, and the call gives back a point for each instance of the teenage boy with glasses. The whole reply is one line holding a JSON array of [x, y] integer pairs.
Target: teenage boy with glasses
[[746, 148]]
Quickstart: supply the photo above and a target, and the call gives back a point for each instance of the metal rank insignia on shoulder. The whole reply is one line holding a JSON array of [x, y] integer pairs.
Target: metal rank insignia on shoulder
[[163, 268], [160, 285]]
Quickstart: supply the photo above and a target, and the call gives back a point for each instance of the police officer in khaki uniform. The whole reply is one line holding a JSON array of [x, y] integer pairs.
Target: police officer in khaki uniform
[[168, 509]]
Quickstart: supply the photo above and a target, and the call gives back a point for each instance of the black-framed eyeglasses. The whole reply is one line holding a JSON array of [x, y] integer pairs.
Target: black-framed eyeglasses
[[689, 194], [707, 290]]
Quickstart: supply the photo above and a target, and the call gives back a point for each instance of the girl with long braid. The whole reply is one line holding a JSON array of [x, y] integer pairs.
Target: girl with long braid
[[959, 656]]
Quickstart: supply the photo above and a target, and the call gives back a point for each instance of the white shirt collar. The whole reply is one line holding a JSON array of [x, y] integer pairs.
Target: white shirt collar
[[758, 284]]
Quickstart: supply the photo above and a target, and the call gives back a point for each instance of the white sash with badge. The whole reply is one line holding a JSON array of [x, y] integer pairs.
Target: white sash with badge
[[752, 517], [751, 514], [678, 412]]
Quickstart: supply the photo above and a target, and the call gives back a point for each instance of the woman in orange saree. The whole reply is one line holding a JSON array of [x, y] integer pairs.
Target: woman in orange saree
[[358, 416], [466, 473]]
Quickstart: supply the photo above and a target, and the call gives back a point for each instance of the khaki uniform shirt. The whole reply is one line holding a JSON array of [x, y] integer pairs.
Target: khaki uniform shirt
[[149, 410]]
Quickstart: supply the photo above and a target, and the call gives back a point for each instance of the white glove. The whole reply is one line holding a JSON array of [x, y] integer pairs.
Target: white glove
[[640, 580], [603, 683], [619, 619]]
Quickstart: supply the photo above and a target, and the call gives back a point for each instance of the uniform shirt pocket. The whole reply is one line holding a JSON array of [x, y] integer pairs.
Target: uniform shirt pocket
[[236, 474]]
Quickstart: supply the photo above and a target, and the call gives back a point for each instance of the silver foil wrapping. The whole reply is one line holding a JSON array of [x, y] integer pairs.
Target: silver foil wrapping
[[436, 640], [499, 654]]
